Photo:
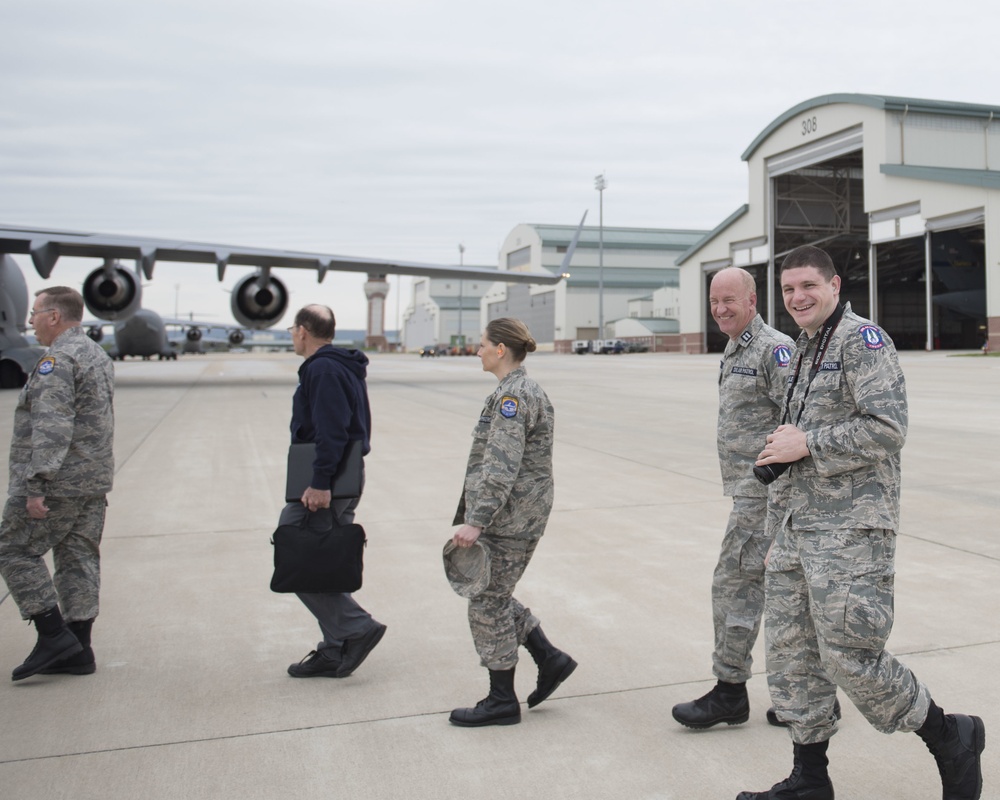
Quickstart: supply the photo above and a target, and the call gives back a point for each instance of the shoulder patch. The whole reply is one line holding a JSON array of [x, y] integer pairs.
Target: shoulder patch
[[871, 335], [508, 406], [782, 355], [46, 365]]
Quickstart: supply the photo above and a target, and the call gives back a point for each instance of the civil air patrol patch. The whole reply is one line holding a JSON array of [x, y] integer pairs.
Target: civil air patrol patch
[[46, 365], [871, 335], [508, 406], [782, 355]]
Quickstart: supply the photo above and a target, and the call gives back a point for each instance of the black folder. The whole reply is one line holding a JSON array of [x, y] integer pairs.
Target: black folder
[[346, 483]]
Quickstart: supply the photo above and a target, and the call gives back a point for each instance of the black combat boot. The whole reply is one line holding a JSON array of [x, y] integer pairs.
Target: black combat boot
[[554, 666], [83, 663], [956, 742], [808, 781], [55, 642], [727, 702], [499, 707]]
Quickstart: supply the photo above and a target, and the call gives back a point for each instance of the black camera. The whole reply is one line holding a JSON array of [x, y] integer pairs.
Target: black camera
[[769, 473]]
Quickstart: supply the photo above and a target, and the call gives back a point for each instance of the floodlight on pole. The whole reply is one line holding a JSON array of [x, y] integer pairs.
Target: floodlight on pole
[[600, 183]]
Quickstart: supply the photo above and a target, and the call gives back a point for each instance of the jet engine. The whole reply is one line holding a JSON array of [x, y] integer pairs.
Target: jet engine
[[258, 300], [112, 292], [193, 334], [95, 332], [236, 338]]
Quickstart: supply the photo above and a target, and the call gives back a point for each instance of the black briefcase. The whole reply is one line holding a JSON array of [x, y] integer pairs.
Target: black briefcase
[[310, 561]]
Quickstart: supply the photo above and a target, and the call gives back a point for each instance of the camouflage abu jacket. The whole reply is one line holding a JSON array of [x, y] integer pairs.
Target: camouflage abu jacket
[[508, 480], [64, 423], [855, 418], [753, 381]]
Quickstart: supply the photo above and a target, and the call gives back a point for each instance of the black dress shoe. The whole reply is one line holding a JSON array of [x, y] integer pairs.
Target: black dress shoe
[[357, 650], [318, 664]]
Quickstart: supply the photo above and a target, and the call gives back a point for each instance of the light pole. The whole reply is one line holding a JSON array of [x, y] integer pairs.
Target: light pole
[[600, 183], [461, 263]]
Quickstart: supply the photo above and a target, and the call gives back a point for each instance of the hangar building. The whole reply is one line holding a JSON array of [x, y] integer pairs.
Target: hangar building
[[636, 263], [905, 196]]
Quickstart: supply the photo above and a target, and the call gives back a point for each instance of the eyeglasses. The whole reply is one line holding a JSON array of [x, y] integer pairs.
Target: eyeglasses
[[292, 329], [40, 311]]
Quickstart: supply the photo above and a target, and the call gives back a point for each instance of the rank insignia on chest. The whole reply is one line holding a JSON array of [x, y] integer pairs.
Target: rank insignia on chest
[[508, 406], [747, 337], [46, 365], [871, 335]]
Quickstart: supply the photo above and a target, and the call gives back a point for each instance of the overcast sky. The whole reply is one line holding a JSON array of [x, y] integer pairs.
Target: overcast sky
[[400, 129]]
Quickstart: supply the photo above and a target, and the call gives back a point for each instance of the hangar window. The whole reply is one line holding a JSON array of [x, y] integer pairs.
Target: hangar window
[[897, 223], [519, 258]]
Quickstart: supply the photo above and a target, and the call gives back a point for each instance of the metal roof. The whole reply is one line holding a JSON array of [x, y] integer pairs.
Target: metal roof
[[883, 102], [985, 178], [622, 238], [739, 212]]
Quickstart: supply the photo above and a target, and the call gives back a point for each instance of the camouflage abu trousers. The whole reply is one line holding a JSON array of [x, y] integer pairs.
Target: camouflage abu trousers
[[498, 621], [828, 614], [72, 530], [738, 589]]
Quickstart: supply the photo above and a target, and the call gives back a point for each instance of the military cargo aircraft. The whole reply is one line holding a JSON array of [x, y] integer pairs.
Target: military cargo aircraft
[[113, 292]]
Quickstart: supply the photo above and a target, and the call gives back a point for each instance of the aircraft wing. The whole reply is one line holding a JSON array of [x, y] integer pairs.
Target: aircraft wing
[[46, 247]]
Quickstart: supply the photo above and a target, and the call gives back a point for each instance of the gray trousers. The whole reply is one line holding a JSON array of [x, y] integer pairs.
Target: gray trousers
[[338, 614], [72, 530]]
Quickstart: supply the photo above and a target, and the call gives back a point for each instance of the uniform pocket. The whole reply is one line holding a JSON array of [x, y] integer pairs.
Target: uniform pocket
[[852, 600]]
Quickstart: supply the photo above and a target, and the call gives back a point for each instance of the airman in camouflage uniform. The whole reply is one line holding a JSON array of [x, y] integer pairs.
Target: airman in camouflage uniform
[[61, 468], [829, 581], [505, 505], [752, 384]]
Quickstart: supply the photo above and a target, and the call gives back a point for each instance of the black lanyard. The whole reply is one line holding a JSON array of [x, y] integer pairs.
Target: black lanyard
[[824, 342]]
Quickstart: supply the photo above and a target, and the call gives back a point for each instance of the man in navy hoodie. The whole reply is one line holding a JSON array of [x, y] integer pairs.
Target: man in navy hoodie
[[330, 407]]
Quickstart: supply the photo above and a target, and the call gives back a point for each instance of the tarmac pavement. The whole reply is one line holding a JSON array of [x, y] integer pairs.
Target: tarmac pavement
[[191, 698]]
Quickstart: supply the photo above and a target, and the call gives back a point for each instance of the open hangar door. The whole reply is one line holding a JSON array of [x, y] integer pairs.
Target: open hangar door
[[822, 204], [956, 311]]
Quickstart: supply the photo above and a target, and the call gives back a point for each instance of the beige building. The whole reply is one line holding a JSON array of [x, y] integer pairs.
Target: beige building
[[905, 196], [637, 263]]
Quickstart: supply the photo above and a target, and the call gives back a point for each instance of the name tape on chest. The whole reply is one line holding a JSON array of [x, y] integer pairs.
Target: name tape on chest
[[830, 366], [750, 371], [46, 365]]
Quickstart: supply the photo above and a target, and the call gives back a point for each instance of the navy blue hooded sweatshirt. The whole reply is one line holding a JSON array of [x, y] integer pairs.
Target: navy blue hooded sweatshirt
[[330, 407]]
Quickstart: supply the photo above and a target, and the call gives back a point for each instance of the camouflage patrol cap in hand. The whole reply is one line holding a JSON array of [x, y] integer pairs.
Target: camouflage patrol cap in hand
[[467, 568]]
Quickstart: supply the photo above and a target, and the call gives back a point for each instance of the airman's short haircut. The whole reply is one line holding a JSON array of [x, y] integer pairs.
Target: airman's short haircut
[[809, 256], [68, 302]]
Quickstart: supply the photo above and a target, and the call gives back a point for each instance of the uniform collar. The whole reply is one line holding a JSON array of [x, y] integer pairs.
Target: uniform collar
[[747, 336]]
